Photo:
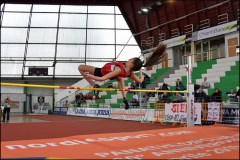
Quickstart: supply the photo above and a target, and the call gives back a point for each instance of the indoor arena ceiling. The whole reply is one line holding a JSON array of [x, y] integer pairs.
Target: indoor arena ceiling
[[166, 17]]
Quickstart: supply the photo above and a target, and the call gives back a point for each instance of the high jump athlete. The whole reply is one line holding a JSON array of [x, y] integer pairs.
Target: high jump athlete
[[119, 70]]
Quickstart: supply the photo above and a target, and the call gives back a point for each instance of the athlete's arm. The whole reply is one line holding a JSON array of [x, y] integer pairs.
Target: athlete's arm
[[137, 79]]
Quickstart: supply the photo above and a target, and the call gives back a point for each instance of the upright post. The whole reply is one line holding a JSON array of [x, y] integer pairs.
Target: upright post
[[190, 93]]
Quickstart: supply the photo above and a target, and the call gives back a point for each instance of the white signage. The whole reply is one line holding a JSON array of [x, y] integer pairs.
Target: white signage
[[130, 114], [177, 112], [213, 111], [215, 31], [175, 41], [90, 112]]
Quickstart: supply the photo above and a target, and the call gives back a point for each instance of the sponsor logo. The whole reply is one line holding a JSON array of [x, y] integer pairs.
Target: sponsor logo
[[95, 112], [57, 109], [64, 109]]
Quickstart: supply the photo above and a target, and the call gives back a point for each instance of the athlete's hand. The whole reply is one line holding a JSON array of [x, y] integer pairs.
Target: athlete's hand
[[90, 76], [126, 103]]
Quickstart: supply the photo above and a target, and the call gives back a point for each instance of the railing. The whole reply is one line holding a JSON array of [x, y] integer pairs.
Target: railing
[[148, 42], [175, 33], [223, 18], [204, 24], [238, 14], [188, 29], [162, 37], [204, 56]]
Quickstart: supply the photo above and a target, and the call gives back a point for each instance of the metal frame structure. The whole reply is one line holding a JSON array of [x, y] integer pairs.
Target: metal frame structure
[[57, 59]]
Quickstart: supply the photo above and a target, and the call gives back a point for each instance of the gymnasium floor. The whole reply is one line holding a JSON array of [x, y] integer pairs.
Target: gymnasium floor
[[69, 137]]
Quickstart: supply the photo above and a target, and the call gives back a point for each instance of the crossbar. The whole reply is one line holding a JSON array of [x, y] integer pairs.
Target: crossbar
[[83, 88]]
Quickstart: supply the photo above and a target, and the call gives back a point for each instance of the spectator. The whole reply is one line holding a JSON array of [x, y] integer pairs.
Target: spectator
[[97, 97], [88, 96], [7, 107], [82, 98], [165, 86], [110, 85], [159, 93], [216, 96], [96, 92], [238, 94], [179, 85], [205, 84], [147, 95], [146, 80], [196, 87], [77, 98], [178, 98], [165, 98], [135, 100], [137, 86], [152, 94], [232, 96], [66, 104], [133, 85], [201, 96]]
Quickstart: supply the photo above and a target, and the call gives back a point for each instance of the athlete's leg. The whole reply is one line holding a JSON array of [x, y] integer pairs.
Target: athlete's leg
[[86, 68], [121, 85]]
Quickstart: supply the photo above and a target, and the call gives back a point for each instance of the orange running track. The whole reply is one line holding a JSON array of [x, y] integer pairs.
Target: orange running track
[[88, 138]]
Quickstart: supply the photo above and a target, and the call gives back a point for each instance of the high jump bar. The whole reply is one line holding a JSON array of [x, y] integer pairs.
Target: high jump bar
[[82, 88]]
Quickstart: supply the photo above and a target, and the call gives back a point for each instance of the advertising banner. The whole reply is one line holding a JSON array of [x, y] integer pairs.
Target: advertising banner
[[131, 114], [215, 31], [177, 112], [60, 110], [175, 41], [230, 116], [90, 112], [15, 105], [213, 111], [40, 108]]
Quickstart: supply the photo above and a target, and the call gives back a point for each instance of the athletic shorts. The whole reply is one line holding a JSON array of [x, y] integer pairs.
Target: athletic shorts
[[97, 72]]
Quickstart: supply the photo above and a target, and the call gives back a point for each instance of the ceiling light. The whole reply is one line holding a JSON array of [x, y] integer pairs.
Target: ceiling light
[[148, 8], [144, 9], [158, 3]]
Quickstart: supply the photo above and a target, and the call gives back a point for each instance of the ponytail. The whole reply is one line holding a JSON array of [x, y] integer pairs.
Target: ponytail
[[154, 59], [156, 56]]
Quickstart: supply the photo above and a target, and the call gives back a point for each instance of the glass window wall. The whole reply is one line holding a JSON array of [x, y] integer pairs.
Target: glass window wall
[[42, 35]]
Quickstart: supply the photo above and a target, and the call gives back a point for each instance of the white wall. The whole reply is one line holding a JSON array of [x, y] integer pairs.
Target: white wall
[[170, 56], [62, 93], [7, 89], [38, 92], [229, 36]]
